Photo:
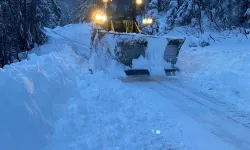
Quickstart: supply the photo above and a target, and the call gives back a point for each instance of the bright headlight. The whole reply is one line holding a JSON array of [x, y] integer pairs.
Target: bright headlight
[[147, 21], [98, 17], [150, 21], [139, 2]]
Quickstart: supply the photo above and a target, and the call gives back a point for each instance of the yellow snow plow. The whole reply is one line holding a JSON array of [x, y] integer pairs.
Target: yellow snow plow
[[117, 36]]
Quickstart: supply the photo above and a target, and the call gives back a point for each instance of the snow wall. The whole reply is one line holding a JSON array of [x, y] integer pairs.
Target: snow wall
[[32, 97]]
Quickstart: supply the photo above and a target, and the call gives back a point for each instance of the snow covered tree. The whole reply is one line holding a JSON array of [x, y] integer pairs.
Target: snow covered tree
[[228, 13], [21, 23], [8, 33], [198, 14], [82, 9], [247, 14], [67, 9]]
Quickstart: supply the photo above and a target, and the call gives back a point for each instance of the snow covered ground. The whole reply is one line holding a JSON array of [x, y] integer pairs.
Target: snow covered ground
[[51, 101], [221, 70]]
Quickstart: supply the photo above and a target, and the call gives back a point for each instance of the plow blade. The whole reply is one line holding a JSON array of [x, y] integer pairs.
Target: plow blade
[[139, 54], [133, 72], [171, 72]]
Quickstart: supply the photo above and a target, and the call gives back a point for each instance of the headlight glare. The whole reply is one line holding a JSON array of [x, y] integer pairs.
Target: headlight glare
[[139, 2], [147, 21], [99, 17]]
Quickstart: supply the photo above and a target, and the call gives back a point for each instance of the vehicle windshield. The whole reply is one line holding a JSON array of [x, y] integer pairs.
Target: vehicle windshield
[[121, 7]]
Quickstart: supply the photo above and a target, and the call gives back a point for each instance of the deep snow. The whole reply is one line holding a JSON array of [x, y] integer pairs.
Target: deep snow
[[34, 92], [221, 70], [51, 101]]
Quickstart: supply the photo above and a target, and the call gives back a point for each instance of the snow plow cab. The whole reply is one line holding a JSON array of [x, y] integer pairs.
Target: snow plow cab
[[118, 36]]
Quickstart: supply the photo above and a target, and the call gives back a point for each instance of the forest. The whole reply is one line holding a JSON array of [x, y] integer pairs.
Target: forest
[[22, 21]]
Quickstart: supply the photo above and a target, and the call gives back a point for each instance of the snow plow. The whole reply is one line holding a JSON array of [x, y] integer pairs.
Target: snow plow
[[117, 36]]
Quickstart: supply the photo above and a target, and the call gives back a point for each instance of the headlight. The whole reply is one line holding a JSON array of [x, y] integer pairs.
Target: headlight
[[147, 21], [99, 17], [139, 2]]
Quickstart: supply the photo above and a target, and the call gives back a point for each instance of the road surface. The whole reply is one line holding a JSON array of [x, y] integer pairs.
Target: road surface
[[204, 122]]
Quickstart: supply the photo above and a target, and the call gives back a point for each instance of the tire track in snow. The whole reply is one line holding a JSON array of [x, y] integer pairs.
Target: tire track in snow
[[238, 115], [239, 136], [205, 101], [203, 111]]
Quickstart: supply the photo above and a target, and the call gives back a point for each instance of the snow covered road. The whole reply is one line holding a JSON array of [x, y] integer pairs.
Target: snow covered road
[[52, 102], [204, 124]]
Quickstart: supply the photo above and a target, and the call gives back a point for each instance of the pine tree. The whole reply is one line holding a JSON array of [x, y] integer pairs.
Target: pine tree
[[82, 10], [21, 23], [221, 14]]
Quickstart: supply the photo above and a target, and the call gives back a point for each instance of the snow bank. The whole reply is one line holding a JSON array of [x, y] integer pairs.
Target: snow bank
[[223, 75], [34, 93], [220, 69], [32, 96], [77, 35]]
